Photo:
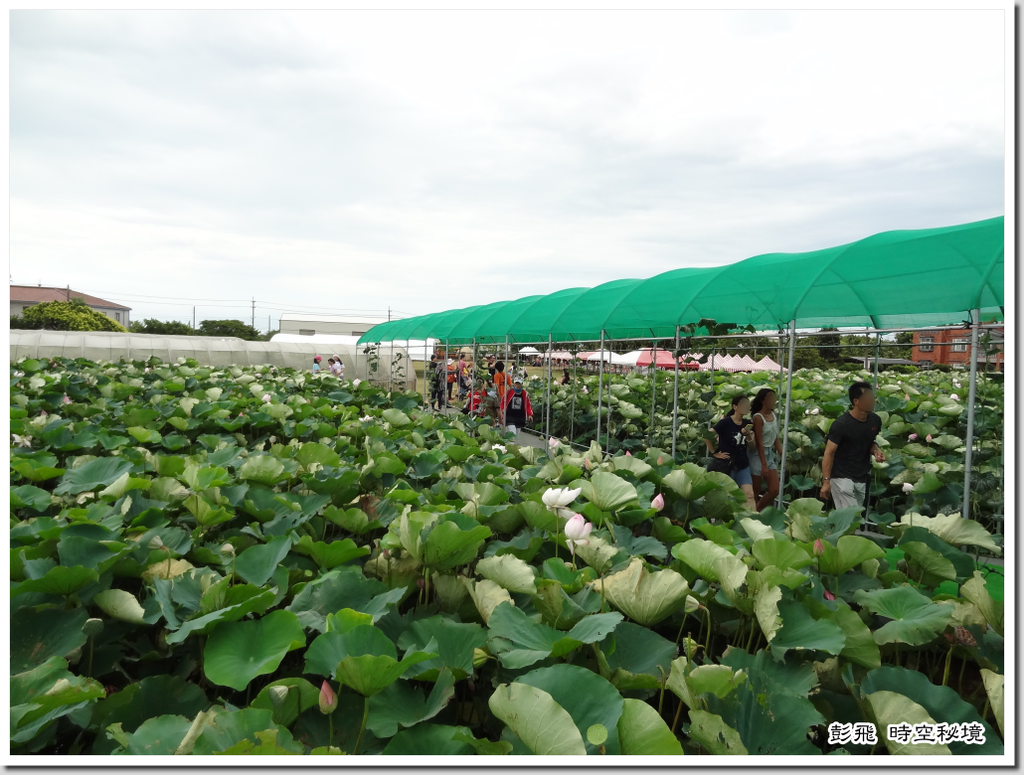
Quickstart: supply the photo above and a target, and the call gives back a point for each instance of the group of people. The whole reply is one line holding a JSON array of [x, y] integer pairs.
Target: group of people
[[749, 448], [334, 365], [494, 393]]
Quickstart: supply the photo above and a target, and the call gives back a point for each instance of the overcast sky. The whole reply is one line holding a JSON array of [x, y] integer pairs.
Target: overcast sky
[[429, 160]]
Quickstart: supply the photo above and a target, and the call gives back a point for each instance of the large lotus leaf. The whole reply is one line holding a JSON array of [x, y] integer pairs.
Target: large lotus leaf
[[994, 688], [509, 572], [399, 704], [714, 735], [67, 692], [800, 631], [555, 606], [755, 529], [121, 605], [645, 597], [316, 454], [634, 465], [448, 544], [59, 580], [272, 742], [102, 471], [598, 554], [370, 673], [860, 647], [766, 609], [454, 643], [518, 641], [638, 546], [608, 492], [940, 702], [396, 417], [955, 530], [643, 732], [893, 708], [256, 600], [960, 560], [916, 619], [690, 482], [927, 565], [206, 514], [30, 497], [543, 725], [237, 652], [636, 657], [410, 527], [434, 740], [482, 493], [257, 563], [265, 469], [151, 697], [848, 553], [701, 555], [386, 463], [487, 596], [299, 695], [158, 736], [586, 696], [329, 555], [218, 730], [975, 591]]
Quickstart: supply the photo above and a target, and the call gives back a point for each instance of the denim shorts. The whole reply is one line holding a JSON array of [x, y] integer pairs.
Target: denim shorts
[[755, 461], [741, 476]]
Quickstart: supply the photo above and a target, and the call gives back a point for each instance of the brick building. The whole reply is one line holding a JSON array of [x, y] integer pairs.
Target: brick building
[[24, 296], [953, 348]]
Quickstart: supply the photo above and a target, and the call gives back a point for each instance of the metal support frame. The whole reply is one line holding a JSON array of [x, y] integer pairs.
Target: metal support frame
[[878, 345], [654, 387], [572, 412], [971, 393], [675, 396], [445, 364], [789, 393], [426, 360], [600, 388], [547, 407]]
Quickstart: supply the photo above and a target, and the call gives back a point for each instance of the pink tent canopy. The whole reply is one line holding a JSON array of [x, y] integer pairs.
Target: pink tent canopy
[[663, 358]]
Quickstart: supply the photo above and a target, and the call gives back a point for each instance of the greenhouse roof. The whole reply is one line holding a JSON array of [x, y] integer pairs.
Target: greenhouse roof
[[896, 279]]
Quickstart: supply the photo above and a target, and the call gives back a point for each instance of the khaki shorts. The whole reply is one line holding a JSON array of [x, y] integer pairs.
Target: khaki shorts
[[847, 493]]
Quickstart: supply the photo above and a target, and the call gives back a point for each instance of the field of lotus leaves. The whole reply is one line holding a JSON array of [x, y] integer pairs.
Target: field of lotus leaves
[[256, 561]]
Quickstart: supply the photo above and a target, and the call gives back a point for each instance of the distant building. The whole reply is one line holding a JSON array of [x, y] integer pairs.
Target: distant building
[[25, 296], [953, 348], [338, 325]]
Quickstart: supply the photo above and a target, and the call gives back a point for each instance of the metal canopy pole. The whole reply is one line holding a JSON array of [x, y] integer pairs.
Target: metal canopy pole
[[547, 408], [878, 345], [675, 396], [789, 394], [600, 387], [426, 360], [445, 364], [608, 416], [654, 387], [575, 387], [969, 454]]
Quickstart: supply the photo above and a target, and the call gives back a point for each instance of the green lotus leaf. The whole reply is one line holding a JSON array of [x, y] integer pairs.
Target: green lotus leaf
[[59, 580], [396, 417], [157, 736], [847, 554], [95, 473], [607, 492], [265, 469], [994, 689], [714, 735], [916, 619], [782, 554], [453, 641], [438, 740], [300, 695], [272, 742], [927, 565], [257, 563], [453, 542], [976, 591], [643, 732], [329, 555], [701, 556], [121, 605], [893, 708], [218, 730], [509, 572], [30, 497], [400, 705], [544, 726], [645, 597], [690, 482], [238, 652], [800, 631]]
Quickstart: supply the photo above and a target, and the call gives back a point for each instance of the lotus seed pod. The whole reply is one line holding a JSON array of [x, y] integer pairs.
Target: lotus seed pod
[[278, 694], [92, 627], [156, 542], [60, 686], [479, 657], [227, 549]]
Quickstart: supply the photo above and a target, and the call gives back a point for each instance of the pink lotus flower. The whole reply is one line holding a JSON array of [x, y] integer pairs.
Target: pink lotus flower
[[66, 400], [906, 396], [554, 443], [576, 531], [912, 437], [928, 438], [819, 547], [829, 595], [628, 453], [328, 699], [266, 398], [587, 464], [661, 460], [659, 502]]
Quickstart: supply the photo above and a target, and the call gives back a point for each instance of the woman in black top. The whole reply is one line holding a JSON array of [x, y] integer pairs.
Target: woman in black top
[[734, 433], [565, 379]]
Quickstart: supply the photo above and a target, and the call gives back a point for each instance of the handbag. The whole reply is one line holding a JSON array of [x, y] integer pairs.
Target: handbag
[[720, 465]]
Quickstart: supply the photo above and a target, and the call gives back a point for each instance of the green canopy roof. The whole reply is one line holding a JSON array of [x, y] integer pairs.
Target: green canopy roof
[[889, 280]]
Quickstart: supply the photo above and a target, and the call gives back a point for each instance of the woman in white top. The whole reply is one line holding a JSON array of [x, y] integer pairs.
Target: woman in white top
[[763, 462], [338, 368]]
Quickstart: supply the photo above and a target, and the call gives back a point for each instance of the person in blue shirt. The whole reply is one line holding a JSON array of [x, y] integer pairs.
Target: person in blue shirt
[[316, 364]]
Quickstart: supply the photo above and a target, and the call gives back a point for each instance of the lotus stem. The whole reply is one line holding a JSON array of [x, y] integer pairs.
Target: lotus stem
[[945, 672], [984, 711], [679, 710], [750, 640], [91, 640], [661, 697], [330, 729], [960, 681], [362, 726], [707, 645], [602, 595]]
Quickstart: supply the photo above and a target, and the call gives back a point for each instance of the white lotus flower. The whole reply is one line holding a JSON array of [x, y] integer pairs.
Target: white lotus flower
[[554, 443], [266, 398], [22, 441], [815, 410], [585, 389], [955, 397], [560, 497], [368, 418], [908, 487], [498, 448], [355, 382]]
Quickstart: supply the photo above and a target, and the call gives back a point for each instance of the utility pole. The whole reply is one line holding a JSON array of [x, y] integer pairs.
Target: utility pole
[[253, 312], [389, 314], [268, 324], [69, 293], [193, 318]]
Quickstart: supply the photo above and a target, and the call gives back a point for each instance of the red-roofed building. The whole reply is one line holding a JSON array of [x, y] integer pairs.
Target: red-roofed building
[[25, 296], [953, 348]]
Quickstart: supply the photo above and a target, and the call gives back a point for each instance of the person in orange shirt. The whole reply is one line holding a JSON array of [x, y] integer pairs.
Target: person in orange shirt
[[502, 383]]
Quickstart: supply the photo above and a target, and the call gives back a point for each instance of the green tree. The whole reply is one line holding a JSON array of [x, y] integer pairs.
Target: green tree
[[230, 328], [904, 338], [74, 315], [828, 342], [153, 326]]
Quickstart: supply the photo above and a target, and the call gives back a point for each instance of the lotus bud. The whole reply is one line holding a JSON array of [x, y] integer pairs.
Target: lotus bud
[[266, 398], [819, 547], [66, 400], [479, 657], [278, 694], [628, 453], [328, 700], [908, 487], [928, 438], [420, 583], [829, 595], [692, 604], [228, 549], [554, 443], [659, 502], [92, 627], [661, 460], [912, 437], [587, 464]]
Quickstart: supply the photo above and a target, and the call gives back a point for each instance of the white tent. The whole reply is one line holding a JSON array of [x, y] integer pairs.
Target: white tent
[[617, 359], [529, 351], [767, 364], [749, 364]]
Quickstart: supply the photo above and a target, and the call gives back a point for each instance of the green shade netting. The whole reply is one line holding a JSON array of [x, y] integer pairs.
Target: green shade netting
[[890, 280]]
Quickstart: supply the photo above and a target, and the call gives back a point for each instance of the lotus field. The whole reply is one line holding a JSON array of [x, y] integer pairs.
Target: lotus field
[[256, 561]]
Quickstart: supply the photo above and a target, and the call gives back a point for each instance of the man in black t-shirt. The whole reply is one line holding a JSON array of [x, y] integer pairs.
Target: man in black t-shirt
[[846, 468]]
